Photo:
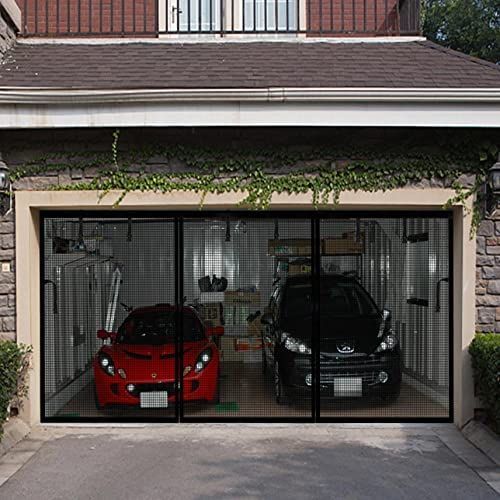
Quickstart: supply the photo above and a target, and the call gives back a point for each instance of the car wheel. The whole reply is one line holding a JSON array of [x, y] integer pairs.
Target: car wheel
[[279, 392], [390, 398]]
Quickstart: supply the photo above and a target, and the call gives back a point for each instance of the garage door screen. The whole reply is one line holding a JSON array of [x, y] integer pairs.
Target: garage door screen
[[197, 317]]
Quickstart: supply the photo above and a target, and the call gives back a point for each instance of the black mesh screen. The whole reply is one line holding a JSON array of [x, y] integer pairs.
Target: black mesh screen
[[384, 318], [234, 271], [106, 342], [198, 317]]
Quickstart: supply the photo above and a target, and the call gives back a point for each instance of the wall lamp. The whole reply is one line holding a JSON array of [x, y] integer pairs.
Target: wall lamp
[[5, 189], [493, 188]]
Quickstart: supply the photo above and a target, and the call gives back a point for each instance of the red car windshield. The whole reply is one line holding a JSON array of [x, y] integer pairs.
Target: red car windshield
[[157, 328]]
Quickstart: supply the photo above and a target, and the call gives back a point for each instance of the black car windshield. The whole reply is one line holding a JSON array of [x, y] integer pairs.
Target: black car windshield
[[157, 328], [337, 298]]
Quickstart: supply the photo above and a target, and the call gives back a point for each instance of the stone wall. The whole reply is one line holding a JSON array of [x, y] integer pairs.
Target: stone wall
[[23, 146], [7, 279], [488, 276]]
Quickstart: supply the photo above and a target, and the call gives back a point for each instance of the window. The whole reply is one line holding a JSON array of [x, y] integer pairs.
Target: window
[[211, 16], [270, 15]]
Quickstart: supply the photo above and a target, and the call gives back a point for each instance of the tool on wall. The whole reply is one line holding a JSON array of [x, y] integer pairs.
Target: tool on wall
[[114, 291]]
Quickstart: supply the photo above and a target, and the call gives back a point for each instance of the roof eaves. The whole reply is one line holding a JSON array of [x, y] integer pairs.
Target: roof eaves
[[51, 96]]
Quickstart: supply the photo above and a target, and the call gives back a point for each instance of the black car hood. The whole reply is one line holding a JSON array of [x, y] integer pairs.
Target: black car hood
[[361, 332]]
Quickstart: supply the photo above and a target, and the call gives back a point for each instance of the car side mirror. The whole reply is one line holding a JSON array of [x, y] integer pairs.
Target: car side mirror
[[213, 331], [267, 319], [104, 335]]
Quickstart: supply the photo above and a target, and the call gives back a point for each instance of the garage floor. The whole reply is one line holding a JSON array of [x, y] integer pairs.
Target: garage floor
[[246, 393]]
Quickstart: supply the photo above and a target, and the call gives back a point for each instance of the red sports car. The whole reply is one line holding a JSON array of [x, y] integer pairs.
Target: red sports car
[[138, 367]]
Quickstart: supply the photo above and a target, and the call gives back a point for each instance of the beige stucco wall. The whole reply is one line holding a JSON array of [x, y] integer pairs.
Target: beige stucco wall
[[29, 204]]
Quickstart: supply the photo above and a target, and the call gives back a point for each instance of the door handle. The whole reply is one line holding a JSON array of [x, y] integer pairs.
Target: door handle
[[438, 293], [174, 10]]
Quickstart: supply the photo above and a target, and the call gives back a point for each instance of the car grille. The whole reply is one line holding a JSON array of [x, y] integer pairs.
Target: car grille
[[170, 387], [343, 361], [135, 355], [367, 377]]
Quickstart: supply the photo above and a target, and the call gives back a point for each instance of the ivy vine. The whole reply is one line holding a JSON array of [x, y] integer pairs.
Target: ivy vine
[[325, 172]]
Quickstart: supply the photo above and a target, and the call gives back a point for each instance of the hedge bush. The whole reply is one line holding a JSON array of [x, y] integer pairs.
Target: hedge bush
[[14, 361], [485, 353]]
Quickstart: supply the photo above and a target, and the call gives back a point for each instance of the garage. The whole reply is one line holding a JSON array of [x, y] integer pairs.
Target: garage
[[261, 316]]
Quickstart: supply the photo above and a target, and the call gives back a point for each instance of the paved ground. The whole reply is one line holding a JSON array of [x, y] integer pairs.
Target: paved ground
[[248, 461]]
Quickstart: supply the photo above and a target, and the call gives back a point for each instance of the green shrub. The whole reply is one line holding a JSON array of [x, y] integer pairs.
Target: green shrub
[[485, 353], [14, 361]]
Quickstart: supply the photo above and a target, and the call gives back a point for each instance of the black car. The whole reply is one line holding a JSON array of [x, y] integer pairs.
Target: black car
[[359, 353]]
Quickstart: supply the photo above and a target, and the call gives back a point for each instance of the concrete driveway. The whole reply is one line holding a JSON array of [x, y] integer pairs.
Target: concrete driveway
[[248, 461]]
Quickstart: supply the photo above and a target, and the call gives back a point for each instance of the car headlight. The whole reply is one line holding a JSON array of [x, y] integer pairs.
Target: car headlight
[[389, 342], [295, 345], [106, 363], [203, 360]]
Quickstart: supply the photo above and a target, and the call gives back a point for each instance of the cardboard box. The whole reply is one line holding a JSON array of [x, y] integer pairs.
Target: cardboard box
[[211, 297], [254, 328], [228, 352], [289, 247], [295, 269], [341, 246], [211, 314], [237, 297]]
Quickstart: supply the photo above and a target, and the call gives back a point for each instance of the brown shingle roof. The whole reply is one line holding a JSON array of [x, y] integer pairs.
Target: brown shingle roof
[[416, 64]]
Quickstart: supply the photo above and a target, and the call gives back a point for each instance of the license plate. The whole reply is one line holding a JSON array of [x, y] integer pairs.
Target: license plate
[[154, 399], [348, 387]]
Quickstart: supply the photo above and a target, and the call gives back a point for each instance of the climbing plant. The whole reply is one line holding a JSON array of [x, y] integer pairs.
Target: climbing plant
[[325, 172]]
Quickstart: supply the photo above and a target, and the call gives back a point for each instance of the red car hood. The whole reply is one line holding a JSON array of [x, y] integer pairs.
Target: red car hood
[[148, 362]]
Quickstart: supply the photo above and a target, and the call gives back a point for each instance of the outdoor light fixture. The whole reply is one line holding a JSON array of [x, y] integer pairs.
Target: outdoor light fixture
[[4, 175], [5, 189], [493, 188]]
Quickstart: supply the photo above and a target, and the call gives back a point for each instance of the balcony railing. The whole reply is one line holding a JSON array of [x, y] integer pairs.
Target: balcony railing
[[145, 18]]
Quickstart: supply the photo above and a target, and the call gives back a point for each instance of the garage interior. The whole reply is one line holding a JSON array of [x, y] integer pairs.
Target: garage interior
[[98, 268]]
